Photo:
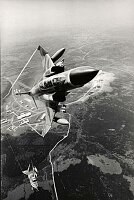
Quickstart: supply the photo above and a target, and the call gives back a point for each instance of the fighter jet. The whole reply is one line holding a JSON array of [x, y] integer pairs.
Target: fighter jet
[[56, 84], [31, 172]]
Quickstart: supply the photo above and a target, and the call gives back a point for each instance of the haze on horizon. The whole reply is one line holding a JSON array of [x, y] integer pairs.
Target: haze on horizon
[[24, 19]]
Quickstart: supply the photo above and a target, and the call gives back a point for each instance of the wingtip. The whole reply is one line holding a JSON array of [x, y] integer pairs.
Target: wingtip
[[43, 52], [38, 48]]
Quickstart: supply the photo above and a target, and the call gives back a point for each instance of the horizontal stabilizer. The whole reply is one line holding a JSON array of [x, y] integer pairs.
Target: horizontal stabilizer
[[26, 172], [30, 169]]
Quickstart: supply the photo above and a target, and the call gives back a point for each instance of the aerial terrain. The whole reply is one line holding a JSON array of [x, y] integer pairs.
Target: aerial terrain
[[96, 160]]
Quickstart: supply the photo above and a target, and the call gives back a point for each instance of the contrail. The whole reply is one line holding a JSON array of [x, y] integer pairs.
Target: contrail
[[51, 156], [21, 73]]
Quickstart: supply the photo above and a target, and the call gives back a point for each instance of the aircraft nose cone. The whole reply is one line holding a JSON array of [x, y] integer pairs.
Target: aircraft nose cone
[[82, 75]]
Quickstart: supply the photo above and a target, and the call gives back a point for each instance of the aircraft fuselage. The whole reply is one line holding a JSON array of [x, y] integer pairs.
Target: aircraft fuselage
[[64, 81]]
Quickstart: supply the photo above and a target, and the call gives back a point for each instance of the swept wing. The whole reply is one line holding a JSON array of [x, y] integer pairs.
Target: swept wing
[[49, 115], [47, 62]]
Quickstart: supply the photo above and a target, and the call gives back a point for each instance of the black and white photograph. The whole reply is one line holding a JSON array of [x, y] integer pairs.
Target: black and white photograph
[[67, 100]]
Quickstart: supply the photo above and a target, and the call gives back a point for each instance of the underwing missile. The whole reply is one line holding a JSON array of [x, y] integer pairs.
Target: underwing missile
[[58, 54], [61, 121]]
